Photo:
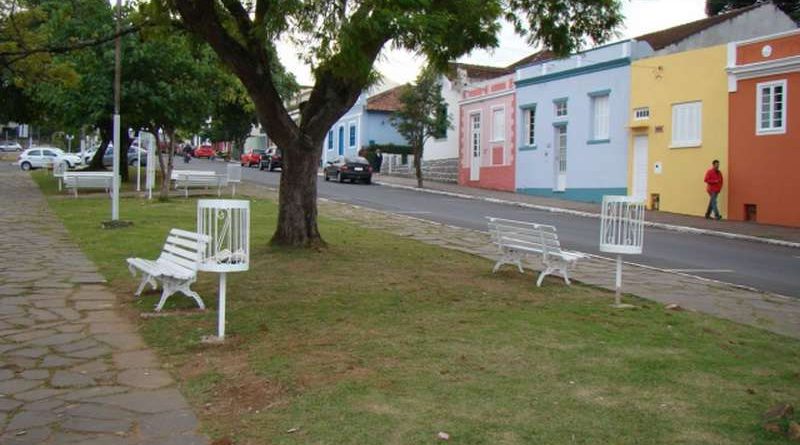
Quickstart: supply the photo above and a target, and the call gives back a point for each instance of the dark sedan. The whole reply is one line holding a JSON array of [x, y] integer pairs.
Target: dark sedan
[[354, 169]]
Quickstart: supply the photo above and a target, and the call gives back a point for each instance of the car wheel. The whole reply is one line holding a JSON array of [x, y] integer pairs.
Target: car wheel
[[25, 166]]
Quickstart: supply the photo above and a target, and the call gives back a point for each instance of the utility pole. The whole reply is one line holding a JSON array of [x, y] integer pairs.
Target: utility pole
[[117, 91]]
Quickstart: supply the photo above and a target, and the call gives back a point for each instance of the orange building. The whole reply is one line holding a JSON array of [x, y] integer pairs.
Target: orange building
[[764, 129]]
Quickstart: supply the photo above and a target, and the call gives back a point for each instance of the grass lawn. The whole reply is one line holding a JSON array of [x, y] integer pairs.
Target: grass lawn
[[382, 340]]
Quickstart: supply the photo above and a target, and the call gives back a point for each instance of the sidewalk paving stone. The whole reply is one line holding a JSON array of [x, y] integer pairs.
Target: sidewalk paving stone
[[60, 330]]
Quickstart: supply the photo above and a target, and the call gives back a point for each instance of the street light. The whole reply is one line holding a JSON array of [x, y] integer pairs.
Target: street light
[[69, 138], [117, 145]]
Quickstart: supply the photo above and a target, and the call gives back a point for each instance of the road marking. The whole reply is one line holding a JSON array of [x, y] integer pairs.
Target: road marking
[[700, 270]]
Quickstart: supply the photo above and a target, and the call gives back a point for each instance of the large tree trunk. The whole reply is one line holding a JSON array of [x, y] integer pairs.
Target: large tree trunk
[[96, 163], [165, 161], [297, 214], [418, 165]]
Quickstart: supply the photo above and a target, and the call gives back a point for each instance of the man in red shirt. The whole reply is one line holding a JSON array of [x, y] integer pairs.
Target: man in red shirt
[[713, 182]]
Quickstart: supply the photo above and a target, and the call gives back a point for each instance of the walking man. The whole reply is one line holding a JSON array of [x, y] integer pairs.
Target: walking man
[[713, 182]]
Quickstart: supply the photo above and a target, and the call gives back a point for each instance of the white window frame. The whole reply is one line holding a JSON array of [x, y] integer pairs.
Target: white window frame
[[594, 136], [502, 136], [641, 113], [679, 141], [556, 104], [528, 118], [759, 103], [352, 128]]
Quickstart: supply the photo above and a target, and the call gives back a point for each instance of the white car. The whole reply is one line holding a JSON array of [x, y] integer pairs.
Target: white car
[[10, 146], [40, 157]]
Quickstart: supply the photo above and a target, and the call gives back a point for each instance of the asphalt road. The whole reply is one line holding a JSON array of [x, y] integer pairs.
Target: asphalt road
[[757, 265]]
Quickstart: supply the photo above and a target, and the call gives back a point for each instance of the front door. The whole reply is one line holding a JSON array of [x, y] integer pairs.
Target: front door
[[561, 158], [341, 141], [475, 147], [640, 166]]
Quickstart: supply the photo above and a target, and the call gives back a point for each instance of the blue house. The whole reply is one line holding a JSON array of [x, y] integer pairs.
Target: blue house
[[367, 122], [572, 136]]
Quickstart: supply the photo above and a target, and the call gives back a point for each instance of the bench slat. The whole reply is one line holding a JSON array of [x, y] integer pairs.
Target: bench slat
[[190, 235], [185, 243], [190, 255], [169, 257]]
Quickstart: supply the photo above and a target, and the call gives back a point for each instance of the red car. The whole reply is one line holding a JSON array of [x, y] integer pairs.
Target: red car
[[204, 151], [252, 158]]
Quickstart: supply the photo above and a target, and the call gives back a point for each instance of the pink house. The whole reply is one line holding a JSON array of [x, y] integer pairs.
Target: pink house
[[487, 139]]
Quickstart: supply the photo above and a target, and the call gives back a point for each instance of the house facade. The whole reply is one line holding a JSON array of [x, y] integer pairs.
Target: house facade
[[487, 146], [764, 93], [678, 126], [571, 128], [679, 108], [440, 156], [367, 122]]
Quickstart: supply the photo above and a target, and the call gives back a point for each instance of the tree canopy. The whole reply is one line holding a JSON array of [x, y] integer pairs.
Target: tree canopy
[[340, 41], [423, 115]]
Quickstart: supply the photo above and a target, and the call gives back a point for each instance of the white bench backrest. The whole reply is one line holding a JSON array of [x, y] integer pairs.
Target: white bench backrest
[[88, 179], [537, 237], [184, 249]]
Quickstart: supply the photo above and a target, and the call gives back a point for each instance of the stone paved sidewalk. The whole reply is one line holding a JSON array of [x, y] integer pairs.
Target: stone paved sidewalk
[[72, 369], [790, 234], [767, 311]]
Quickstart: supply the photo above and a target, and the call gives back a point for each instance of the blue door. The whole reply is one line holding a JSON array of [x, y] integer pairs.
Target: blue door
[[341, 141]]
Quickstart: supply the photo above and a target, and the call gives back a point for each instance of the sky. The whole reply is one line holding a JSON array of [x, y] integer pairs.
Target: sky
[[641, 17]]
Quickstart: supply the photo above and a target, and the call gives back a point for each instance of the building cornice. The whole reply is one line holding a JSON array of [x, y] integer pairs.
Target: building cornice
[[602, 66], [761, 69]]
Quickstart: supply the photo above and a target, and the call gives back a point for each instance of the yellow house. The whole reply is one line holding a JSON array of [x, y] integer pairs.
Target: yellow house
[[679, 125]]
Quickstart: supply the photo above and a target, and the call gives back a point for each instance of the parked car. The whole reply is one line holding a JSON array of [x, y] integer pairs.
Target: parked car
[[41, 157], [10, 146], [88, 155], [354, 169], [204, 151], [252, 158], [271, 159], [133, 154]]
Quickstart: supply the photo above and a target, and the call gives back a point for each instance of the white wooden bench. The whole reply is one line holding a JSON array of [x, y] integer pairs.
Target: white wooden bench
[[198, 178], [175, 268], [517, 239], [88, 180]]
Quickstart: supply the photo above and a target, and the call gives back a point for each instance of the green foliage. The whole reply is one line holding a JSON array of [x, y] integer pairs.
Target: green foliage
[[790, 7], [423, 114]]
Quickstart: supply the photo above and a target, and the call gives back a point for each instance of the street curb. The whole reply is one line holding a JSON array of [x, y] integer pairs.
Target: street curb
[[670, 227]]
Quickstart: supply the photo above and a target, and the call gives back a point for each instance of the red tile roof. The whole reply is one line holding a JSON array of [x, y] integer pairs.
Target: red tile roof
[[664, 38], [388, 100]]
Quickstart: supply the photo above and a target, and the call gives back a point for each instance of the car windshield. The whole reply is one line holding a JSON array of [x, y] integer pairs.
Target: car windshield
[[356, 160]]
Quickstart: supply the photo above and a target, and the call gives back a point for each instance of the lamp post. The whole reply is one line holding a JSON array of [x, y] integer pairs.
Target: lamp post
[[117, 145], [69, 138]]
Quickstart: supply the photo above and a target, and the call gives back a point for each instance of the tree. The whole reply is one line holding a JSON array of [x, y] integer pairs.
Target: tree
[[716, 7], [341, 41], [423, 115]]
